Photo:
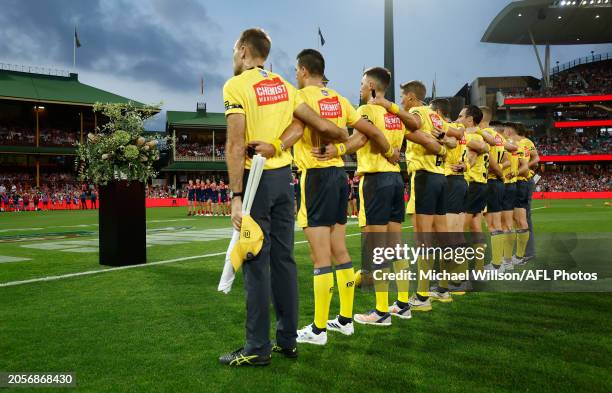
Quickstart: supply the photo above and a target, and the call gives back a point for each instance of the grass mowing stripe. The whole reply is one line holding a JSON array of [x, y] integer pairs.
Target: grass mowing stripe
[[112, 269]]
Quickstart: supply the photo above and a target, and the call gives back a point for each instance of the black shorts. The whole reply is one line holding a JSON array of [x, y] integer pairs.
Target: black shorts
[[495, 195], [476, 198], [429, 193], [381, 199], [190, 197], [223, 198], [509, 197], [324, 194], [522, 194], [456, 189]]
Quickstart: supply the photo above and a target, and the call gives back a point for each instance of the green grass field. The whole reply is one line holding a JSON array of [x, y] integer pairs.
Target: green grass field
[[161, 328]]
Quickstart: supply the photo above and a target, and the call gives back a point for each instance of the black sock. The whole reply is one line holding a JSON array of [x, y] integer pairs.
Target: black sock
[[344, 320], [422, 298], [442, 290], [381, 313], [401, 304], [316, 330]]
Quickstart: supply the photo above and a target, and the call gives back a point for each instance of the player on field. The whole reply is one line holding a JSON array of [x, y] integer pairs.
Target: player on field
[[429, 180], [324, 195], [534, 159], [501, 149], [476, 176], [214, 199], [523, 189], [456, 189], [267, 114], [381, 188], [198, 198], [223, 198], [190, 198], [510, 176]]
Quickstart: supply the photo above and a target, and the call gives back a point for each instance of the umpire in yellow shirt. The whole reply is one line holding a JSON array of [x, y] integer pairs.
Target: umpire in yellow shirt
[[266, 115]]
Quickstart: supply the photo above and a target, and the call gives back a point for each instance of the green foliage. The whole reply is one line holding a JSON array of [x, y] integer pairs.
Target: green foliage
[[118, 150]]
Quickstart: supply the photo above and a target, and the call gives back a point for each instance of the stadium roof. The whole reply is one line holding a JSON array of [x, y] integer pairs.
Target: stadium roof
[[553, 22], [198, 119], [26, 86]]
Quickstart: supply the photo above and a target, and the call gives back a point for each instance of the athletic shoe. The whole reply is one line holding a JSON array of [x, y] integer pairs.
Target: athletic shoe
[[290, 353], [517, 261], [335, 326], [442, 297], [403, 313], [420, 305], [460, 289], [372, 318], [241, 358], [528, 258], [307, 336], [507, 265]]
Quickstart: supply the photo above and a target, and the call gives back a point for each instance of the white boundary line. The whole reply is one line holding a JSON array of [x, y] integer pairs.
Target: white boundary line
[[112, 269]]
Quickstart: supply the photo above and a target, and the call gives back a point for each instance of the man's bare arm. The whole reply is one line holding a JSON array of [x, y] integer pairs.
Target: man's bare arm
[[327, 129], [523, 169], [427, 141], [235, 150], [479, 147], [495, 168], [534, 159], [372, 133]]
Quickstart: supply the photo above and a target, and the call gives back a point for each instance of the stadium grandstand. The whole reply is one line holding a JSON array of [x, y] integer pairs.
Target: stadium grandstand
[[43, 113], [568, 107]]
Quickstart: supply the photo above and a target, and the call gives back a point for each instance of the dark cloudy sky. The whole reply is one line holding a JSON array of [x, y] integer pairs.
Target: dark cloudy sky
[[157, 50]]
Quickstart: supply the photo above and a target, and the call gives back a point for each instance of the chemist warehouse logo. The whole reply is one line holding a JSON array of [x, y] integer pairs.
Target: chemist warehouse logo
[[392, 122], [330, 108], [271, 91]]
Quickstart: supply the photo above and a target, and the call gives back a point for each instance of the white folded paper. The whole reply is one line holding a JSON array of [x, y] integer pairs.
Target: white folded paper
[[228, 274]]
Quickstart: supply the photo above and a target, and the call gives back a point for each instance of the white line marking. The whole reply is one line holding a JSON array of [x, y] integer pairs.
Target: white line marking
[[7, 259], [20, 229], [536, 208], [90, 272]]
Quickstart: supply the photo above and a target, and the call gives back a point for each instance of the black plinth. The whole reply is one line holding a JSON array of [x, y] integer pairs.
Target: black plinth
[[123, 231]]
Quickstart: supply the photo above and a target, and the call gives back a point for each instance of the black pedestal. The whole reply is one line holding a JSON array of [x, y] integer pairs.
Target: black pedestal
[[123, 231]]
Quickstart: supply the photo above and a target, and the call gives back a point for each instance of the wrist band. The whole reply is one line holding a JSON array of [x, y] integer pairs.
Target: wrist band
[[341, 147], [390, 152], [278, 146], [236, 194], [394, 108]]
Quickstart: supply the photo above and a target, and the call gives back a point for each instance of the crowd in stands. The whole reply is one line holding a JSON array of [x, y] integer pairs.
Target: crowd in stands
[[24, 136], [195, 149], [16, 136], [573, 181], [586, 114], [569, 142], [594, 78]]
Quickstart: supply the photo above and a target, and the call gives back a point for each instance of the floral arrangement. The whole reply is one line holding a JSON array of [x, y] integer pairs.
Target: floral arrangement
[[118, 150]]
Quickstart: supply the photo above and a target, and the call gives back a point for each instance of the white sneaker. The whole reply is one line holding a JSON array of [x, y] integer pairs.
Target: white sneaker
[[372, 318], [334, 325], [307, 336], [443, 297], [419, 305], [403, 313], [516, 261], [507, 265]]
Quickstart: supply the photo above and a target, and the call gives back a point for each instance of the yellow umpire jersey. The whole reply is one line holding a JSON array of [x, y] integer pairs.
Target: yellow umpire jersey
[[477, 173], [524, 153], [268, 102], [370, 159], [455, 155], [497, 151], [430, 121], [331, 106]]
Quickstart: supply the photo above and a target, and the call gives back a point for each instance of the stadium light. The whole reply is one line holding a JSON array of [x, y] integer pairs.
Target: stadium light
[[519, 15], [559, 17], [596, 16], [562, 3]]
